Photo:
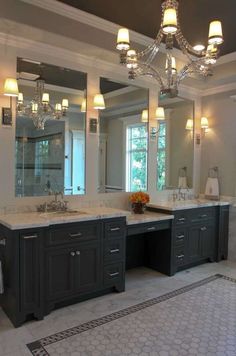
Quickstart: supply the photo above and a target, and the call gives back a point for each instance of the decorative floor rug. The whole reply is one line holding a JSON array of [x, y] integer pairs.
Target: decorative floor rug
[[199, 319]]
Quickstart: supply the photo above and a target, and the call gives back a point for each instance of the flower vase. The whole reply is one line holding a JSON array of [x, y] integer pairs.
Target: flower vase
[[138, 208]]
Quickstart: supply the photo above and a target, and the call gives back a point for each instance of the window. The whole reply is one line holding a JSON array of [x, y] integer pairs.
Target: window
[[136, 158], [161, 157], [41, 155]]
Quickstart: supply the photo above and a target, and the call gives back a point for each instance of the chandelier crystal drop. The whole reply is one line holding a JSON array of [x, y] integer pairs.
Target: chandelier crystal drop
[[40, 110], [199, 60]]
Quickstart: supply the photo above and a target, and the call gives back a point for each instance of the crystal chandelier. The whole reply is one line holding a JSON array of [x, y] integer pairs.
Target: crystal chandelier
[[40, 110], [199, 59]]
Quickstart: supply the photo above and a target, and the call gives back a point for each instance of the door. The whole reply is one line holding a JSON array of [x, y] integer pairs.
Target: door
[[208, 241], [30, 271], [87, 267], [194, 244], [60, 273]]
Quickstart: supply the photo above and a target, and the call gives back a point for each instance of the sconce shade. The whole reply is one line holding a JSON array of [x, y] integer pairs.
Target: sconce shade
[[65, 103], [11, 87], [83, 106], [160, 113], [144, 117], [98, 102], [58, 107], [170, 21], [123, 39], [45, 98], [215, 33], [34, 108], [204, 123], [189, 125], [20, 98], [132, 59]]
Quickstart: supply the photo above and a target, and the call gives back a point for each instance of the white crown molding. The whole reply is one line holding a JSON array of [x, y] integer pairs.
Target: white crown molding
[[219, 89], [96, 22], [54, 88], [122, 91], [233, 97]]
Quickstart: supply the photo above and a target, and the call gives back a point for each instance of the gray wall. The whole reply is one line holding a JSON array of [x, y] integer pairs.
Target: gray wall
[[219, 144]]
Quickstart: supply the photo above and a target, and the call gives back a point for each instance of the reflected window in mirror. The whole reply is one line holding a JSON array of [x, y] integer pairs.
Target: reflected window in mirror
[[50, 130], [175, 145], [123, 138]]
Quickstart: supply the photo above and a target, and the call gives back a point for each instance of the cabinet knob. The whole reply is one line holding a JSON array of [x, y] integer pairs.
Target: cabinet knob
[[77, 253], [72, 254]]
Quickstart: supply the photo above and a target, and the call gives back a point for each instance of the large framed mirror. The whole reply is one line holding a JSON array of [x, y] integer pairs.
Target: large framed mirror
[[123, 137], [50, 130], [175, 146]]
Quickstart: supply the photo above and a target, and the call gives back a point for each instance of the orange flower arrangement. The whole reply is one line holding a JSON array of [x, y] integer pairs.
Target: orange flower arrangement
[[139, 197]]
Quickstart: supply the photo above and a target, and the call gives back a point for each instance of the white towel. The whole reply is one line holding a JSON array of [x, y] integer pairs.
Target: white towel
[[183, 183], [1, 279], [212, 188]]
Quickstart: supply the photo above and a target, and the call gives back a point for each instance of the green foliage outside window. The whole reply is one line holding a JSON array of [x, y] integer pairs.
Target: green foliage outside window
[[161, 157]]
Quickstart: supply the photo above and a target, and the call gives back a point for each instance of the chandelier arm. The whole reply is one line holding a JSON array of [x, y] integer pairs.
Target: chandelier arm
[[153, 49], [186, 46], [197, 66], [147, 70]]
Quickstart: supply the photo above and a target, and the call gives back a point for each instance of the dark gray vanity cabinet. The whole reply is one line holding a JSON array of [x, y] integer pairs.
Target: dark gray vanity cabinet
[[198, 235], [45, 268]]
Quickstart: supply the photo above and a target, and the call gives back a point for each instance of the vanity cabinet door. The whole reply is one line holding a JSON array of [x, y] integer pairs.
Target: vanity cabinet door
[[208, 241], [194, 244], [60, 272], [31, 270], [87, 267]]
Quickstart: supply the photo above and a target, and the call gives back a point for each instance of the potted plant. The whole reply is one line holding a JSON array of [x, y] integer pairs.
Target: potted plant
[[139, 201]]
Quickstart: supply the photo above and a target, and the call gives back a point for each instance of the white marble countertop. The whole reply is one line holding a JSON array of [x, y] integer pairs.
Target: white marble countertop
[[36, 219], [147, 217], [186, 204]]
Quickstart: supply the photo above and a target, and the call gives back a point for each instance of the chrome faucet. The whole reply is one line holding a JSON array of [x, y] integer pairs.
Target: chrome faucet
[[54, 205]]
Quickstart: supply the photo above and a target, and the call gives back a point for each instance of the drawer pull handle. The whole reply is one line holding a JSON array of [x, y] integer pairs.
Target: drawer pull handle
[[203, 216], [3, 242], [114, 274], [116, 250], [77, 253], [180, 256], [180, 237], [78, 234], [203, 228], [181, 219], [29, 237], [115, 229], [151, 228], [72, 254]]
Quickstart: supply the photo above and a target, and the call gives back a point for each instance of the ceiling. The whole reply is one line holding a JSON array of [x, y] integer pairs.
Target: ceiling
[[144, 17]]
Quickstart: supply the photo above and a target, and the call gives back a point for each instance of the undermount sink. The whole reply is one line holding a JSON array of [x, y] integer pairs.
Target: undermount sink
[[62, 213]]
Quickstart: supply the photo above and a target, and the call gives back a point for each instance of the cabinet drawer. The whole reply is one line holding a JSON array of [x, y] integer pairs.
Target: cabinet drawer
[[179, 256], [113, 274], [78, 232], [180, 236], [203, 214], [114, 229], [114, 251], [151, 227], [181, 218]]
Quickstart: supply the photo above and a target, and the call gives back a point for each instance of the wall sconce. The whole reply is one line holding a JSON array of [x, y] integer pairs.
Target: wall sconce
[[11, 90], [160, 113], [204, 125], [144, 116], [98, 102]]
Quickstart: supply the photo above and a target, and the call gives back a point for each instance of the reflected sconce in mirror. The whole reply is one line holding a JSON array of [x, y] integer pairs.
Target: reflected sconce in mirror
[[65, 106], [204, 125], [11, 90], [98, 102], [160, 113], [144, 116], [189, 125]]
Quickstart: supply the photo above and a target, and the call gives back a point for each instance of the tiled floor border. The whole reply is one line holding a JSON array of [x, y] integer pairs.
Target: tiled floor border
[[37, 347]]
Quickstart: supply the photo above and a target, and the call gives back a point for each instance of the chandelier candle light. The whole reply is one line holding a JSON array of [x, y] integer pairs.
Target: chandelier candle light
[[199, 59]]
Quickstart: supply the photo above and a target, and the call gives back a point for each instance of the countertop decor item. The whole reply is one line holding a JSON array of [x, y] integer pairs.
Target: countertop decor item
[[139, 201]]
